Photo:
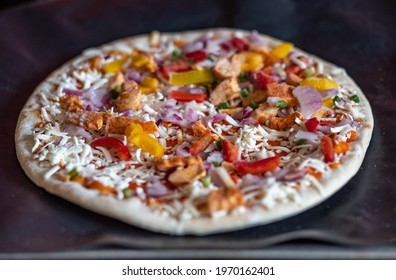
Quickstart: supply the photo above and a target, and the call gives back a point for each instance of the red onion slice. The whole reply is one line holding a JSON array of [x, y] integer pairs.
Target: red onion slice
[[156, 188], [72, 92], [183, 150], [74, 130], [310, 100]]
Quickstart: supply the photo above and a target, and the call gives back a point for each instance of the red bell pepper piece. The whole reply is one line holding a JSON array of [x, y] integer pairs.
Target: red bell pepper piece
[[263, 79], [269, 70], [240, 44], [197, 55], [312, 124], [115, 144], [293, 69], [201, 144], [230, 151], [327, 148], [257, 167], [187, 97], [177, 66]]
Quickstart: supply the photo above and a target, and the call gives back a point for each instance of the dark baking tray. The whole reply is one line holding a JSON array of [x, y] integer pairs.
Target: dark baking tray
[[357, 35]]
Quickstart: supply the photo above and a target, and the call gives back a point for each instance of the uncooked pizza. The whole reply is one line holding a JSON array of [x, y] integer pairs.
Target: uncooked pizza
[[195, 132]]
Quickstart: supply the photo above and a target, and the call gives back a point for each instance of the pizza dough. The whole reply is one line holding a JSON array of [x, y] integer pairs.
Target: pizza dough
[[173, 213]]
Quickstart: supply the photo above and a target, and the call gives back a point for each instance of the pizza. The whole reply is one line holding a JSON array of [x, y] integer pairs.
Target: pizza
[[195, 132]]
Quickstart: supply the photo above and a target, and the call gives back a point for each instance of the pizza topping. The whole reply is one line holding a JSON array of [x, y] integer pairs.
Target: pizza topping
[[111, 143], [224, 199], [187, 97], [280, 120], [88, 120], [225, 91], [129, 98], [257, 167]]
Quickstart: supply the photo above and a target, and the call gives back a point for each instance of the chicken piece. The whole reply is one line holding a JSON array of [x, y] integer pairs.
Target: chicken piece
[[199, 130], [256, 96], [201, 144], [284, 92], [187, 175], [224, 199], [151, 64], [264, 112], [231, 111], [117, 125], [117, 53], [73, 103], [284, 123], [226, 90], [129, 98], [225, 69], [95, 62], [106, 116], [117, 80], [176, 161], [87, 120], [154, 39], [293, 79]]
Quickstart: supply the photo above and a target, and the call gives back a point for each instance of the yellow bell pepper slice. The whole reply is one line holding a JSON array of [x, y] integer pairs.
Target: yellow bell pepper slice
[[251, 61], [282, 50], [328, 102], [319, 83], [149, 85], [115, 66], [191, 77], [146, 90], [133, 129], [142, 140], [139, 60]]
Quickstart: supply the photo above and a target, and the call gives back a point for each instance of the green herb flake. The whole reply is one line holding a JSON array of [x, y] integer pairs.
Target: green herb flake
[[253, 105], [127, 192], [115, 92], [219, 144], [336, 99], [224, 105], [243, 76], [216, 164], [206, 181], [176, 55], [212, 59], [281, 104], [73, 173], [355, 98], [308, 73], [300, 142], [245, 92]]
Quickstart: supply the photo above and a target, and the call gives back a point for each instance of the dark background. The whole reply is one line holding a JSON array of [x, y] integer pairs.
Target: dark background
[[38, 37]]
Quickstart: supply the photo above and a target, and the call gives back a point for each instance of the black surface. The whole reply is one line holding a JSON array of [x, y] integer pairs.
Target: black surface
[[356, 35]]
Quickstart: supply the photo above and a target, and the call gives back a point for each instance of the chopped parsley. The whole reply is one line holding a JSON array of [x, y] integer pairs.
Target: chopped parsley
[[176, 55], [336, 99], [206, 181], [253, 105], [73, 172], [308, 73], [245, 92], [243, 76], [300, 142], [224, 105], [127, 192], [115, 92], [281, 104], [216, 164], [355, 98], [219, 144]]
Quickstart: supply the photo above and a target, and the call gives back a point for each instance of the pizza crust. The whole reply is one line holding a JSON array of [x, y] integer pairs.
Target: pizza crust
[[134, 212]]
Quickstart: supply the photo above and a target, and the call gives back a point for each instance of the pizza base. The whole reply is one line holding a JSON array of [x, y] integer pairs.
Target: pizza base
[[133, 211]]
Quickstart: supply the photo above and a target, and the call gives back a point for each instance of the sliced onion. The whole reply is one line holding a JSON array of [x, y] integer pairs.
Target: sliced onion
[[354, 124], [296, 175], [215, 156], [301, 134], [170, 103], [310, 100], [281, 173], [183, 150], [256, 38], [96, 97], [174, 117], [127, 113], [219, 117], [324, 129], [156, 188], [193, 46], [231, 121], [272, 100], [329, 93], [74, 130], [248, 121], [72, 92], [190, 113], [221, 178], [243, 114], [134, 75]]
